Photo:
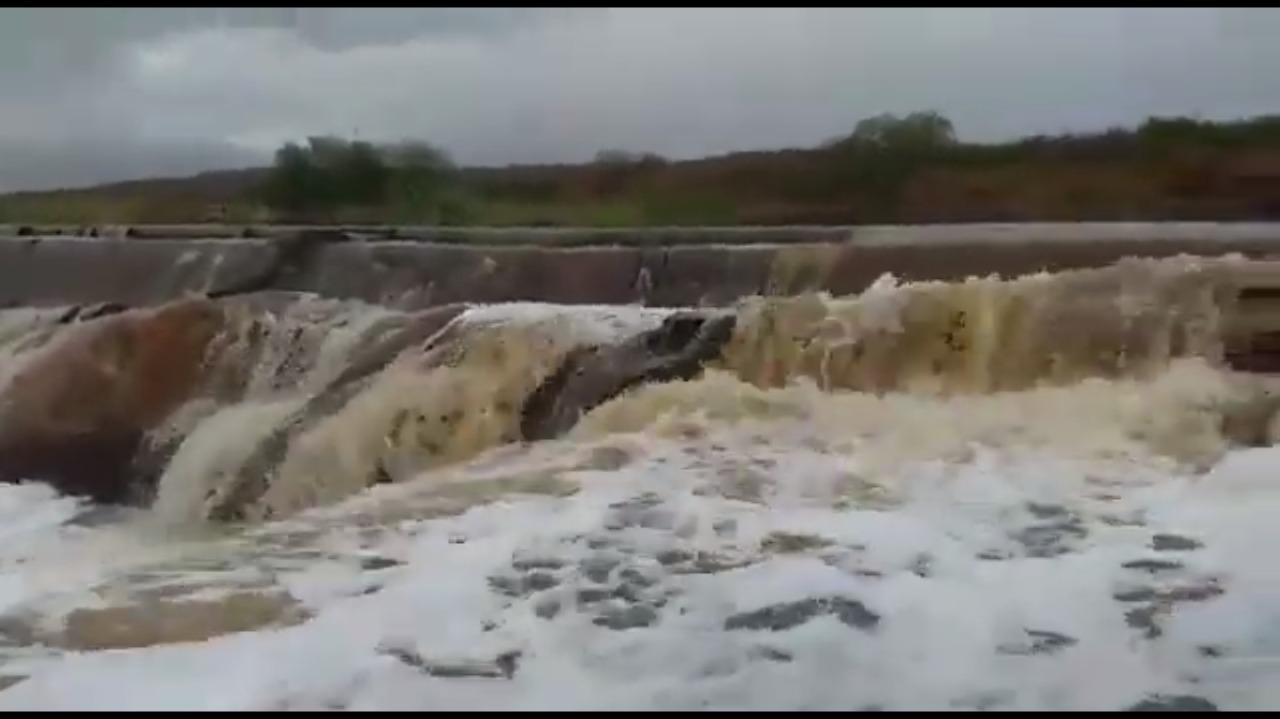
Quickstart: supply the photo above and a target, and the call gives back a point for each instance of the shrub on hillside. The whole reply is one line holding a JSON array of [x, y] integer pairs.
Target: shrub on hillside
[[328, 178]]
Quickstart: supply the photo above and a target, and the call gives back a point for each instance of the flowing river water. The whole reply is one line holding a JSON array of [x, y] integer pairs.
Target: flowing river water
[[990, 494]]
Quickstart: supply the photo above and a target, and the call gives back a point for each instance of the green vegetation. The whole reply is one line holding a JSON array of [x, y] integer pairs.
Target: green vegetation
[[886, 169], [331, 180]]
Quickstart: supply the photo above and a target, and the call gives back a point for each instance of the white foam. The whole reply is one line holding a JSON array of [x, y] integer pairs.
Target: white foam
[[952, 630], [45, 558], [953, 534], [588, 324]]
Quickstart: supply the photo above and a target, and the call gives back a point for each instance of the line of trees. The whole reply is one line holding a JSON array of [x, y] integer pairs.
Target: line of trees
[[883, 154], [867, 175], [330, 178]]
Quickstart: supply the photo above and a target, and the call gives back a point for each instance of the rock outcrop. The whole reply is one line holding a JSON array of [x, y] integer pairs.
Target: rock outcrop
[[82, 412], [591, 376], [76, 414]]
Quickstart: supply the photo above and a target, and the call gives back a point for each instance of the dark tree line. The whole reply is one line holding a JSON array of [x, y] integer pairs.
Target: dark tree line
[[328, 177], [872, 174]]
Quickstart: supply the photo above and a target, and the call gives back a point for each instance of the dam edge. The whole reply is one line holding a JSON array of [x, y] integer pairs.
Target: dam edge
[[415, 267]]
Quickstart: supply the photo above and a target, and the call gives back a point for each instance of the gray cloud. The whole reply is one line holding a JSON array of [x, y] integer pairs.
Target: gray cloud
[[89, 95], [83, 162]]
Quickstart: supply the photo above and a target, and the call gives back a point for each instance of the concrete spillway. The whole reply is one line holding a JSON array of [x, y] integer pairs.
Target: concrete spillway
[[412, 267]]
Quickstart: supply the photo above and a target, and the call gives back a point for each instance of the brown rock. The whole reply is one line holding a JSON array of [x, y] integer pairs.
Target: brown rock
[[75, 416]]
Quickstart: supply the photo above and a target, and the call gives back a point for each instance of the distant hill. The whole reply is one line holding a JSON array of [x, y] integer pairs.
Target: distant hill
[[214, 185], [886, 171]]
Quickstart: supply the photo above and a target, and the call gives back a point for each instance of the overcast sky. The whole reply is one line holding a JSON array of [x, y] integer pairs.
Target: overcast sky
[[91, 95]]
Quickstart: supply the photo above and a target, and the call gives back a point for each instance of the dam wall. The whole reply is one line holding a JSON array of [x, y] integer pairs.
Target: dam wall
[[416, 267]]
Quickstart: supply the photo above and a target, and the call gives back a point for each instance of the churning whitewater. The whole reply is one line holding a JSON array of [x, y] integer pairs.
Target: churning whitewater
[[1049, 492]]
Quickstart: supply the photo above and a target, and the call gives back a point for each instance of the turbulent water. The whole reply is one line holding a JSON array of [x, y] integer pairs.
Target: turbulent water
[[985, 494]]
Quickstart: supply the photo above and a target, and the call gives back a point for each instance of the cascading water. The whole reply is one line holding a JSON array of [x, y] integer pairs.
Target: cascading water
[[318, 430]]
